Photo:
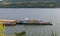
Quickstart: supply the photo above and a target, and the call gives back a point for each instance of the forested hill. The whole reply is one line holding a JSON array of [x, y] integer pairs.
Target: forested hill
[[28, 4]]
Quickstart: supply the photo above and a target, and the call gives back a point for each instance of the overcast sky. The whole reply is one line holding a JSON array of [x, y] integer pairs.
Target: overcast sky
[[1, 0]]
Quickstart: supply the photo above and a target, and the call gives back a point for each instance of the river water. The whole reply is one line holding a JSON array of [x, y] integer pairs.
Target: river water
[[44, 14]]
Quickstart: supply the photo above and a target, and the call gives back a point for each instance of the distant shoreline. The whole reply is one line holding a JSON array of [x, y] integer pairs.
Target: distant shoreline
[[29, 5]]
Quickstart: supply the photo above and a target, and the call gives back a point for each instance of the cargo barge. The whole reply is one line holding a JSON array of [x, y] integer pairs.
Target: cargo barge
[[8, 22], [33, 22], [24, 22]]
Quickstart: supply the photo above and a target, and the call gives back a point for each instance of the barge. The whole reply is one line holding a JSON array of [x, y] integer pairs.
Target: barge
[[24, 22], [8, 22], [33, 22]]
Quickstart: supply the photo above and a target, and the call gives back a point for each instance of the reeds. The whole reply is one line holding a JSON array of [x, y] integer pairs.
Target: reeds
[[20, 33], [23, 33], [53, 33]]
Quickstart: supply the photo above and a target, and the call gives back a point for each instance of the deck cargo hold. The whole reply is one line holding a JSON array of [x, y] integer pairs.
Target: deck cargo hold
[[33, 22]]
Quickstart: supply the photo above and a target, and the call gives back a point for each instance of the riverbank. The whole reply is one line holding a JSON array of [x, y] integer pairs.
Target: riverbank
[[28, 5]]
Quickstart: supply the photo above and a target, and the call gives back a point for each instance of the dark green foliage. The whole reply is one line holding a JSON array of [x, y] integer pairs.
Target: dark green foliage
[[29, 5], [21, 34]]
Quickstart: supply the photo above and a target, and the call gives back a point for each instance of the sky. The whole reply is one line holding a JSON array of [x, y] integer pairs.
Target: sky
[[1, 0]]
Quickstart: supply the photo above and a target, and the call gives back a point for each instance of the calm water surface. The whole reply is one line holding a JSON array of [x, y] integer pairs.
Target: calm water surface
[[44, 14]]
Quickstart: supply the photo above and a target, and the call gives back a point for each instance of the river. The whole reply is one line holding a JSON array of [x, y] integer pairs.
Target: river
[[44, 14]]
